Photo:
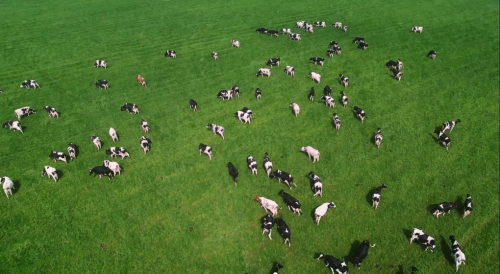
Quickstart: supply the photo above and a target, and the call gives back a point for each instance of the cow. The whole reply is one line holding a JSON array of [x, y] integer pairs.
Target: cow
[[114, 166], [396, 74], [444, 208], [262, 30], [247, 111], [311, 94], [130, 108], [345, 28], [193, 105], [276, 268], [296, 108], [300, 24], [378, 138], [236, 90], [268, 165], [217, 129], [206, 150], [320, 211], [267, 225], [235, 43], [333, 44], [225, 94], [376, 196], [311, 153], [268, 204], [363, 46], [295, 36], [72, 151], [145, 126], [467, 206], [100, 64], [233, 172], [336, 121], [360, 114], [330, 53], [117, 151], [96, 141], [286, 31], [400, 64], [284, 231], [283, 177], [273, 33], [290, 70], [337, 25], [456, 252], [13, 125], [258, 93], [329, 101], [362, 253], [343, 98], [170, 54], [317, 187], [423, 239], [317, 60], [243, 116], [417, 28], [23, 111], [50, 172], [443, 139], [58, 156], [338, 50], [336, 266], [358, 40], [344, 80], [141, 80], [112, 133], [320, 24], [264, 71], [391, 64], [145, 144], [432, 54], [29, 83], [102, 84], [309, 28], [8, 186], [101, 171], [252, 165], [215, 56], [450, 125], [292, 203], [273, 62], [327, 90], [51, 111], [315, 77]]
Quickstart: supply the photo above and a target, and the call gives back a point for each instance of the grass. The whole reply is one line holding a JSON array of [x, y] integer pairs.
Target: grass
[[140, 222]]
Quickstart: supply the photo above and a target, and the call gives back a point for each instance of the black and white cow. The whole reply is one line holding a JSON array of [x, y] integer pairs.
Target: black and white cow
[[345, 28], [170, 54], [423, 239], [263, 71], [327, 90], [243, 117], [317, 185], [363, 46], [333, 44], [273, 62], [432, 54], [235, 43], [96, 141], [58, 156], [283, 177], [376, 196], [330, 52], [344, 80], [295, 36], [276, 268], [320, 24], [284, 231], [311, 94], [417, 28], [247, 111], [29, 83], [233, 172], [101, 171], [450, 125], [343, 98], [258, 93], [267, 225], [309, 28], [268, 165], [130, 108], [292, 203], [50, 172], [252, 165], [261, 30], [145, 126], [225, 94], [360, 114], [289, 70], [336, 121], [193, 105], [206, 150], [457, 253], [236, 90], [217, 130], [468, 206], [72, 151], [13, 125], [336, 266], [51, 111], [145, 144], [444, 208], [300, 24], [397, 74], [358, 40], [117, 151], [24, 111], [317, 60], [329, 101], [378, 137], [443, 139], [102, 84], [391, 64], [338, 50], [286, 31], [215, 55], [362, 253], [273, 33], [337, 25], [100, 64]]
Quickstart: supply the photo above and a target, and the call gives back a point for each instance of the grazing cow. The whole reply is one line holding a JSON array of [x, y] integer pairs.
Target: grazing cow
[[345, 28], [170, 54], [114, 166], [343, 98], [193, 105], [96, 141], [236, 90], [295, 36], [320, 211], [292, 203], [145, 126], [267, 225], [317, 60], [235, 43], [101, 171], [130, 108], [397, 74], [400, 64], [50, 172], [283, 177], [358, 40], [225, 94], [391, 64], [243, 116], [100, 64], [102, 84], [360, 114], [432, 54], [233, 172], [217, 130], [327, 90], [450, 125], [417, 28], [286, 31], [423, 239], [51, 111], [315, 77], [376, 196], [362, 253], [145, 144], [261, 30], [333, 44], [117, 151], [338, 50], [296, 108], [112, 133], [264, 71], [141, 80], [268, 165], [252, 165], [273, 33], [317, 185], [23, 111], [29, 83], [320, 24], [72, 151], [206, 150], [363, 46], [344, 80], [15, 125], [378, 138], [268, 204], [443, 139], [300, 24], [309, 28], [311, 94], [215, 55], [273, 62], [456, 252], [276, 268], [337, 25], [311, 153], [284, 231], [336, 266], [468, 206], [330, 53], [290, 70], [55, 155], [336, 121], [329, 101], [444, 208], [8, 186], [258, 93]]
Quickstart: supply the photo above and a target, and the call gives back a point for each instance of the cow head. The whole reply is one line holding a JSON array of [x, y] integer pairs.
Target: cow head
[[257, 198]]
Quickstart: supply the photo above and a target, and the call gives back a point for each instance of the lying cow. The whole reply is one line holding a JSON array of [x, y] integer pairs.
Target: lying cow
[[23, 111], [13, 125], [273, 62], [102, 84], [225, 94], [362, 253], [450, 125], [130, 108], [170, 54], [336, 266], [51, 111], [100, 64], [417, 28], [117, 151], [263, 71], [283, 177], [58, 156], [423, 239], [217, 130], [292, 203], [141, 80], [267, 225], [284, 231], [29, 83]]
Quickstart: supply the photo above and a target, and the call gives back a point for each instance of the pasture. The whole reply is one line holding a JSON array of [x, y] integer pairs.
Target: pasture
[[174, 211]]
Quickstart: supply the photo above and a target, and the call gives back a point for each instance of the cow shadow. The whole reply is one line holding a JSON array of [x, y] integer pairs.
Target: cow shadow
[[17, 186], [432, 208], [400, 270], [408, 233], [460, 202], [313, 216], [369, 196], [446, 249], [60, 175], [353, 252]]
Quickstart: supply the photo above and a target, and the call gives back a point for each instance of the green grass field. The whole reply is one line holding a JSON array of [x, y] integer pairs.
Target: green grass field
[[140, 221]]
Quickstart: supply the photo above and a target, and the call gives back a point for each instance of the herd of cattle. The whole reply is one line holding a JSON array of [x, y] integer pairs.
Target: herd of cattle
[[110, 168]]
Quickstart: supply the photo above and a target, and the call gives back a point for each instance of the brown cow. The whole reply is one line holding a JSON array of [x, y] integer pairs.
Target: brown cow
[[141, 80]]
